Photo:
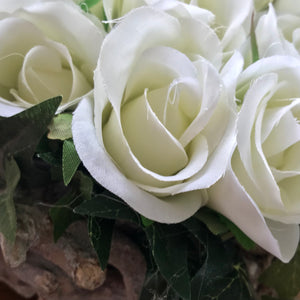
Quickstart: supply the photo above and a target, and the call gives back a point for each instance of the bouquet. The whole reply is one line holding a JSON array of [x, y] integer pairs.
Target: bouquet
[[170, 126]]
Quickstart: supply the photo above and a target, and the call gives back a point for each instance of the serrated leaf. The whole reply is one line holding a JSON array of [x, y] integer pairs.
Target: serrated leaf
[[241, 237], [169, 249], [284, 278], [221, 277], [62, 214], [61, 127], [100, 232], [8, 221], [70, 161], [104, 206]]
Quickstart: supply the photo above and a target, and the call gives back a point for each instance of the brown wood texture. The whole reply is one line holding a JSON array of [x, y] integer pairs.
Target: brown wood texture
[[68, 269], [7, 294]]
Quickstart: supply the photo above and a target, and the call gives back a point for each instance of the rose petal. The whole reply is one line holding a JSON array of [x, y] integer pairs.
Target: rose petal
[[279, 140], [142, 28], [230, 199], [65, 23], [269, 39], [165, 62], [287, 6], [209, 80], [101, 167], [24, 38], [152, 144]]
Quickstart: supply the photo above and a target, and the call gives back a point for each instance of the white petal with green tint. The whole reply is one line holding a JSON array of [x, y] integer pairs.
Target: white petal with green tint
[[64, 22], [103, 169], [230, 199], [142, 28], [152, 144], [157, 67]]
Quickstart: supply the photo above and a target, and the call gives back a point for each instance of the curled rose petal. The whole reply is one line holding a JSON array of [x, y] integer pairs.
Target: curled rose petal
[[161, 124], [47, 55]]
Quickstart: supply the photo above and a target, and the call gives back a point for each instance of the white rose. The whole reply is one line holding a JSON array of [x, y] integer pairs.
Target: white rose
[[162, 124], [278, 30], [231, 21], [47, 49], [261, 194]]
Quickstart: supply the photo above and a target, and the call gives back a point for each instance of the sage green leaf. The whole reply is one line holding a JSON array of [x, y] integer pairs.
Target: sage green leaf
[[70, 161], [100, 232], [8, 221], [62, 214], [105, 206], [284, 278], [169, 249], [61, 127]]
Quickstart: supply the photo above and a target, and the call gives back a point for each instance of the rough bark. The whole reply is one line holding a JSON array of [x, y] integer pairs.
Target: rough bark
[[68, 269]]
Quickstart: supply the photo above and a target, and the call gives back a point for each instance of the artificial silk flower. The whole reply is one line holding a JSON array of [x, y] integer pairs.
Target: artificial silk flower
[[45, 52], [161, 126], [263, 186], [278, 34], [231, 21]]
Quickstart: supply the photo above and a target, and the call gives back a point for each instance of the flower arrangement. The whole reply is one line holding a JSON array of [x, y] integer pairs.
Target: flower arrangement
[[180, 118]]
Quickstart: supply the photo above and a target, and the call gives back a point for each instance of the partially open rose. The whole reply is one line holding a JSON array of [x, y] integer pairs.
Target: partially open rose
[[161, 126], [261, 192], [47, 49], [278, 30]]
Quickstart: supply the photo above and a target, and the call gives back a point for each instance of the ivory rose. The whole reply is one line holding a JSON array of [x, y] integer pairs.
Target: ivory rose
[[161, 126], [48, 48], [278, 30], [261, 192], [230, 20]]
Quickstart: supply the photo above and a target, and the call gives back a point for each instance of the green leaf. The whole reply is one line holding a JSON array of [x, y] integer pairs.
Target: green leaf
[[70, 161], [156, 287], [62, 214], [169, 249], [104, 206], [21, 133], [19, 136], [146, 222], [8, 221], [254, 47], [284, 278], [211, 220], [85, 185], [100, 232], [61, 127], [88, 3], [240, 236], [221, 276]]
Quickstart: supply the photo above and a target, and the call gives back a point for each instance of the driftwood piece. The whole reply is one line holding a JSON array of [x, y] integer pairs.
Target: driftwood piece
[[68, 269]]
